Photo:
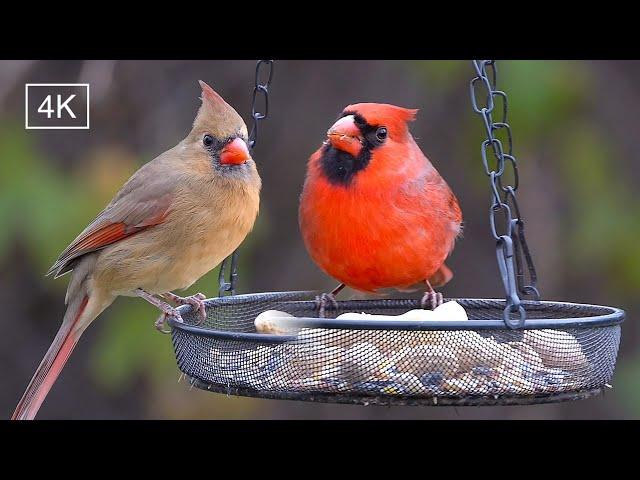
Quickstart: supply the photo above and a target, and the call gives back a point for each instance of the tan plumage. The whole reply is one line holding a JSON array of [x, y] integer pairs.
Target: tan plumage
[[173, 221]]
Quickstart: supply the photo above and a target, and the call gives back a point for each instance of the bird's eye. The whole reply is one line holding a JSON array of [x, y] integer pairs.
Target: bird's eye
[[381, 134], [207, 140]]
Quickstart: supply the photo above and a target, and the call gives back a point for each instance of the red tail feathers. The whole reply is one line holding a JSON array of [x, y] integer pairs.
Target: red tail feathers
[[441, 277], [52, 363]]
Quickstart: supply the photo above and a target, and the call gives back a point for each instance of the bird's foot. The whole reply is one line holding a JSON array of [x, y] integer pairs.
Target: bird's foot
[[162, 319], [432, 299], [323, 301], [166, 309], [196, 301], [328, 298]]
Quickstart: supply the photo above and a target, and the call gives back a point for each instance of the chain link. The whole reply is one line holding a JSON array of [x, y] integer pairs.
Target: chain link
[[511, 245], [260, 90], [264, 70]]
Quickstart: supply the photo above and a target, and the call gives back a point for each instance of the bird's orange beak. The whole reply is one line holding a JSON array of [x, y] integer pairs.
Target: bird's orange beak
[[346, 136], [235, 153]]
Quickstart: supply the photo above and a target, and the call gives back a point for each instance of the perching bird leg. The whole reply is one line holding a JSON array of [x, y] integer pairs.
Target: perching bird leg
[[196, 301], [434, 298], [326, 298], [166, 309]]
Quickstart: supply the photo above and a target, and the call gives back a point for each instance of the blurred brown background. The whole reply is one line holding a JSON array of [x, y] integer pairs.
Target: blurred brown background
[[575, 128]]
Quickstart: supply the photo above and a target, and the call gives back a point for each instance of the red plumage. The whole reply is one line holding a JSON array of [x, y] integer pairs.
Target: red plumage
[[376, 214]]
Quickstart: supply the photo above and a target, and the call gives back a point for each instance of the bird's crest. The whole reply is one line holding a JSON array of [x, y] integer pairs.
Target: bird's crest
[[217, 115]]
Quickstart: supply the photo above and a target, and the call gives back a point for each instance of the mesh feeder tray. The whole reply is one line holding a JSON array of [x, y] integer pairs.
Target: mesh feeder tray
[[566, 351]]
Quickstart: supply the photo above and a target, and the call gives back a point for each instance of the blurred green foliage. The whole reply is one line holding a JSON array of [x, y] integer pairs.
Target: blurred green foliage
[[37, 201]]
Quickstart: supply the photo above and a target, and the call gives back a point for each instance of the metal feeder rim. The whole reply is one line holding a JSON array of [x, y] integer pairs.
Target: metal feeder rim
[[229, 335], [614, 317]]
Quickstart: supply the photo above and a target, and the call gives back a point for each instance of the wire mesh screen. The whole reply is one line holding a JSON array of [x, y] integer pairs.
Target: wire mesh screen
[[473, 365]]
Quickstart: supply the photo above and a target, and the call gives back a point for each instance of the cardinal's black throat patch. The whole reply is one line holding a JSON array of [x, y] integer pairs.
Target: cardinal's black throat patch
[[340, 167]]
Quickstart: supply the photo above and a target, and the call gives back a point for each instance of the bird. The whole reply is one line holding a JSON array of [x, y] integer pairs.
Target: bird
[[174, 220], [374, 213]]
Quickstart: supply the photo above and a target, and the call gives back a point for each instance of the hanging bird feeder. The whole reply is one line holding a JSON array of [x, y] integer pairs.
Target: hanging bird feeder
[[503, 352]]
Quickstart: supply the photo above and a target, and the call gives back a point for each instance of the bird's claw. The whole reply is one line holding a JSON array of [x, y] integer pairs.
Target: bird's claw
[[322, 301], [432, 298], [162, 320], [196, 301]]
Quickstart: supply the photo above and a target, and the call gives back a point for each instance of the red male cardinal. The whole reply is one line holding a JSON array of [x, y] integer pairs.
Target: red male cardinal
[[374, 212], [173, 221]]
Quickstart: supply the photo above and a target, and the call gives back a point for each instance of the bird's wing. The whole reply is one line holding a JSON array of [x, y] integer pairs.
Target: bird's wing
[[430, 193], [144, 201], [455, 213]]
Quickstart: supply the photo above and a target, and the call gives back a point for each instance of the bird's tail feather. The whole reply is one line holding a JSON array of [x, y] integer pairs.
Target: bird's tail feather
[[441, 277], [54, 360]]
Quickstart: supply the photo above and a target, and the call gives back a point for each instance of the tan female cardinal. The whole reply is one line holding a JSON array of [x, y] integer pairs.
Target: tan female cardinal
[[374, 212], [173, 221]]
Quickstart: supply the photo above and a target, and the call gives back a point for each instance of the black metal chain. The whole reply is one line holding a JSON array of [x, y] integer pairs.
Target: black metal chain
[[512, 243], [260, 89], [264, 71]]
